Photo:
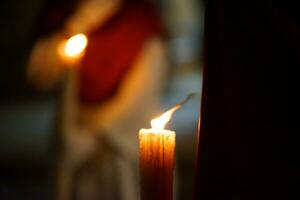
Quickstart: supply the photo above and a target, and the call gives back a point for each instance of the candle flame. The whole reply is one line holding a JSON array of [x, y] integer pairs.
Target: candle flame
[[160, 122], [75, 45]]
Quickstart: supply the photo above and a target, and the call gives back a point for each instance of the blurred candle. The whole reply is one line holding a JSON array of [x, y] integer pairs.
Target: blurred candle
[[157, 149], [72, 50]]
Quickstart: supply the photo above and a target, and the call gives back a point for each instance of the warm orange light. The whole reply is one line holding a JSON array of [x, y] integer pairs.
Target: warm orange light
[[157, 150], [160, 122], [71, 50], [75, 45]]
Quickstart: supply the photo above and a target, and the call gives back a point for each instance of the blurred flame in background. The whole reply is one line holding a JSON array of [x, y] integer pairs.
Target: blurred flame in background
[[72, 49]]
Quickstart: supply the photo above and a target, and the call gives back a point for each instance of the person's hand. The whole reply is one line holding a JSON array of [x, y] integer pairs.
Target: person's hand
[[44, 65]]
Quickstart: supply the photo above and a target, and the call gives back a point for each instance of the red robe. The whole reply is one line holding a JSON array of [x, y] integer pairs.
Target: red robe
[[113, 48]]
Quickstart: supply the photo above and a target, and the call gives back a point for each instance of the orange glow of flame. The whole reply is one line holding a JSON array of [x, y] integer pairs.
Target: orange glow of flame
[[75, 45], [72, 49], [160, 122]]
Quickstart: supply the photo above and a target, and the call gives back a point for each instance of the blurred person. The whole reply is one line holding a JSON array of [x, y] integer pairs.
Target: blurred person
[[108, 93]]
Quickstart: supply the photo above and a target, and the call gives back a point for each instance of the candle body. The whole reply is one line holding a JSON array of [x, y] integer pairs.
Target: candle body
[[157, 149]]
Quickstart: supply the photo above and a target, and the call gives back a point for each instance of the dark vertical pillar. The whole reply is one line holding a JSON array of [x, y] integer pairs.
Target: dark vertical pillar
[[252, 54]]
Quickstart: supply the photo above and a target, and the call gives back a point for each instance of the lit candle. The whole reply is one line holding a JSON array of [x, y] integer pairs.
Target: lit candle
[[157, 149], [71, 50]]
